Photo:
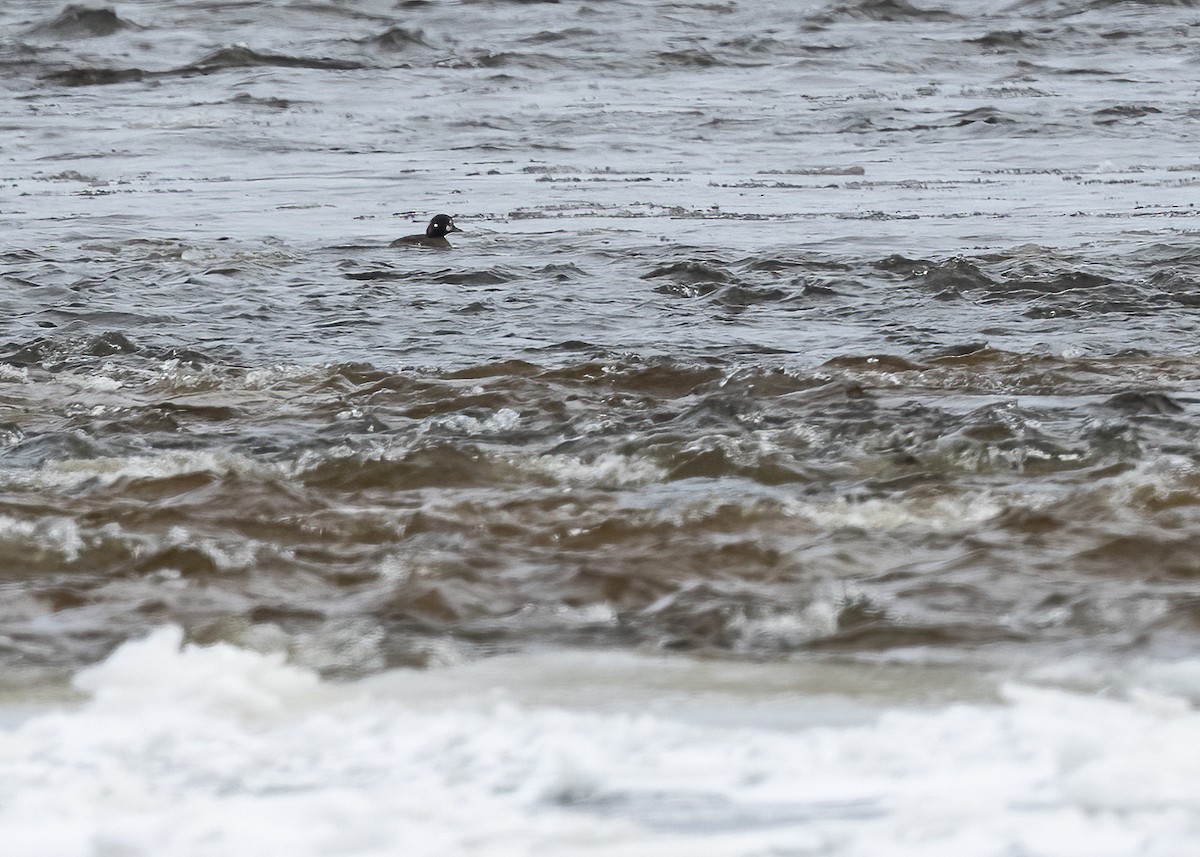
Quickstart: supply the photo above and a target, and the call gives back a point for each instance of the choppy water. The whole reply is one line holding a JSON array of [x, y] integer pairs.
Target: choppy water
[[848, 347]]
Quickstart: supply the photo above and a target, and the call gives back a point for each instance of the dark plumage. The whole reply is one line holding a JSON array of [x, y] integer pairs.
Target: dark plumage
[[435, 234]]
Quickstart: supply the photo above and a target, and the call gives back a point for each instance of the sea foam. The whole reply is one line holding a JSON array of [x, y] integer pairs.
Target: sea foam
[[190, 750]]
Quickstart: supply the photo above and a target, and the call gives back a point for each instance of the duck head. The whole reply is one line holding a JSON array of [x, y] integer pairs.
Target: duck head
[[440, 226]]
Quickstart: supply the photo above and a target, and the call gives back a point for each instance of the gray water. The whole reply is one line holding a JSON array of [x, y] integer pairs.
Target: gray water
[[796, 453]]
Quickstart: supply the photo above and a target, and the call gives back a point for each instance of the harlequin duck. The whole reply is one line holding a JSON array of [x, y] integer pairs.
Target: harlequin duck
[[435, 234]]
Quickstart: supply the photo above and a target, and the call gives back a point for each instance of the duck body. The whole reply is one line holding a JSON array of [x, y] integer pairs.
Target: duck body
[[434, 235]]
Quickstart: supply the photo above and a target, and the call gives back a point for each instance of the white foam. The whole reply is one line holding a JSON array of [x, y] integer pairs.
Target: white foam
[[607, 470], [504, 419], [97, 382], [220, 681], [943, 514], [14, 374], [786, 630], [72, 472], [57, 535], [196, 751]]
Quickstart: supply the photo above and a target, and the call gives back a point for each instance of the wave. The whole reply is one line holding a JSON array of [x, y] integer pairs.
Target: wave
[[240, 56], [475, 503], [82, 22], [883, 10], [398, 40], [232, 57]]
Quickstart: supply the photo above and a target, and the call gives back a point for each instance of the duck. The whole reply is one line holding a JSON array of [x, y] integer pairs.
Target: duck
[[434, 235]]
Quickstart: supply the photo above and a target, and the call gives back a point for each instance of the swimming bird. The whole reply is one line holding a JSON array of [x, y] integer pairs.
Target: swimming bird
[[435, 234]]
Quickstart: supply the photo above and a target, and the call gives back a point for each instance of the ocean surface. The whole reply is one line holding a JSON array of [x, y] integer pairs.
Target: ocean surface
[[797, 454]]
